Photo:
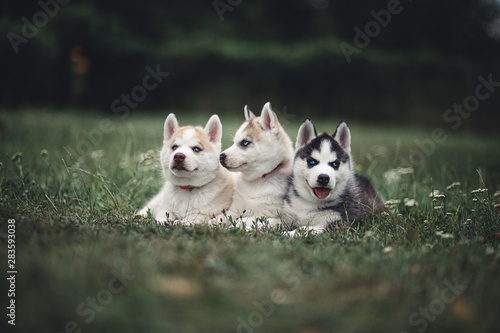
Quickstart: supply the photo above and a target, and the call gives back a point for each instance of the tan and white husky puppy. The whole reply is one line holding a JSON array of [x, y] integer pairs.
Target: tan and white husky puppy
[[262, 152], [197, 187]]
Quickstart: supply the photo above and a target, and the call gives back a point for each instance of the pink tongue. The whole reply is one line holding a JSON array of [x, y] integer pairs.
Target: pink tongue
[[321, 192]]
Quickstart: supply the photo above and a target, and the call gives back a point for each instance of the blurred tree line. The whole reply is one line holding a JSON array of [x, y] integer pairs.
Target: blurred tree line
[[223, 54]]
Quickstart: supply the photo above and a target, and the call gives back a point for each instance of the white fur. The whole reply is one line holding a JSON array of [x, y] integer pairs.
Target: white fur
[[210, 186], [257, 196]]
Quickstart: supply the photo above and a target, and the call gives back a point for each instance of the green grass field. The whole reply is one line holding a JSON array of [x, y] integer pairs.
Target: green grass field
[[85, 265]]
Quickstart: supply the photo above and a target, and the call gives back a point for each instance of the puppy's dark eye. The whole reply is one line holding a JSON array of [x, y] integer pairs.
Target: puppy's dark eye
[[197, 149], [335, 164], [244, 143], [174, 147], [312, 161]]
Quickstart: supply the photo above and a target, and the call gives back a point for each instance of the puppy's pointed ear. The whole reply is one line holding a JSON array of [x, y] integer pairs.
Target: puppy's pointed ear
[[343, 136], [268, 119], [171, 126], [213, 130], [307, 132], [248, 114]]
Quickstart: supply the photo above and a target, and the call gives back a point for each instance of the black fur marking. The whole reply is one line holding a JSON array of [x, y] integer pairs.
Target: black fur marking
[[315, 144]]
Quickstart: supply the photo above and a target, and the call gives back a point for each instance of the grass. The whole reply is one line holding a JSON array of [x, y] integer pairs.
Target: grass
[[416, 268]]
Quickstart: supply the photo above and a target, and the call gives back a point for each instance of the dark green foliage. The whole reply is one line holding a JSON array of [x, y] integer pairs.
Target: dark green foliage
[[427, 58]]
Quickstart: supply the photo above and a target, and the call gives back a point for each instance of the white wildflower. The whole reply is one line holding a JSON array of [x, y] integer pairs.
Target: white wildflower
[[369, 233], [44, 153], [405, 171], [387, 249], [489, 250], [410, 202], [444, 235], [479, 190], [149, 155], [391, 176], [453, 185], [394, 175], [438, 207], [392, 202], [434, 193], [97, 154]]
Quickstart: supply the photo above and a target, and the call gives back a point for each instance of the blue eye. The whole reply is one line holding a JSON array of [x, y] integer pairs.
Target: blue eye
[[175, 147], [244, 143], [312, 161], [335, 164], [197, 149]]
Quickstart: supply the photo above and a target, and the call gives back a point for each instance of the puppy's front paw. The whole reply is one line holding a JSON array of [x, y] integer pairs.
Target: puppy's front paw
[[162, 217], [143, 213]]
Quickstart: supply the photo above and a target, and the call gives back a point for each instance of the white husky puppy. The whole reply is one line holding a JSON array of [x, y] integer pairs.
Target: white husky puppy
[[197, 187], [323, 187], [262, 152]]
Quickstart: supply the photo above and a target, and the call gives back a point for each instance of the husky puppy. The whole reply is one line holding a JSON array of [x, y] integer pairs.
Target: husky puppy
[[197, 187], [262, 152], [323, 187]]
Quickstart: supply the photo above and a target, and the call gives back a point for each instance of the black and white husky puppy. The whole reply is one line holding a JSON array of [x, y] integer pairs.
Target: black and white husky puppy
[[323, 187]]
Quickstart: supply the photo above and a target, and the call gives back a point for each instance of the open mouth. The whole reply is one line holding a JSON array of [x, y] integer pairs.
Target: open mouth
[[320, 192]]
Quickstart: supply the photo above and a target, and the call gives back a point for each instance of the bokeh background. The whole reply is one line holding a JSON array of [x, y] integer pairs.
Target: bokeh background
[[224, 54]]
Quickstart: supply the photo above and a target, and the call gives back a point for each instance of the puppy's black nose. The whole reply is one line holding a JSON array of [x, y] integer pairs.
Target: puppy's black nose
[[222, 157], [179, 157], [323, 180]]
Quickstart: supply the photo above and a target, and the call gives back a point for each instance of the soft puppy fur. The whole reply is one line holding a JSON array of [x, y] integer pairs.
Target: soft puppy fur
[[323, 187], [197, 187], [262, 154]]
